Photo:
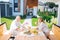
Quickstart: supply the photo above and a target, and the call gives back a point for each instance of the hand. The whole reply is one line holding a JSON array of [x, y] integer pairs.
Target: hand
[[21, 29], [17, 29]]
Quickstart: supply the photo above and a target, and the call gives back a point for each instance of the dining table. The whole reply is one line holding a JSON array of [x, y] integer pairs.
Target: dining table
[[22, 36]]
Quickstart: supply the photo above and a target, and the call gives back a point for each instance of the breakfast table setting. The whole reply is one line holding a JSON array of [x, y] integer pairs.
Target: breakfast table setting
[[30, 33]]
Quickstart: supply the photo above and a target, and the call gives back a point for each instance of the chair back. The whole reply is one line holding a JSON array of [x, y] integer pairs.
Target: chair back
[[56, 31], [2, 28]]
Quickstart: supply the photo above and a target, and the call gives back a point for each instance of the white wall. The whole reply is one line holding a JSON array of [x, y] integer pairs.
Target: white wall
[[6, 10], [0, 15], [58, 14], [22, 5], [35, 9]]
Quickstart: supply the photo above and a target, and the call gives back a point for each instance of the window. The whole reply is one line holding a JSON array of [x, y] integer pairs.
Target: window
[[16, 5], [16, 1]]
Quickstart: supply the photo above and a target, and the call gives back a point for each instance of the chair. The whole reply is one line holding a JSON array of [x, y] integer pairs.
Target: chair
[[56, 32], [4, 34]]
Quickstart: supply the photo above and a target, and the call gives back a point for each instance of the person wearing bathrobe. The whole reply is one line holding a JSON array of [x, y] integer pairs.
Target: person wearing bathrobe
[[15, 26], [43, 27]]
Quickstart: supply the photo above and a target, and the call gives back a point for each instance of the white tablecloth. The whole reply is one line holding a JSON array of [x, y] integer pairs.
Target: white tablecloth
[[22, 36]]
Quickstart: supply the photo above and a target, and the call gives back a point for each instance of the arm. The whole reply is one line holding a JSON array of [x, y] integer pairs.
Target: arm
[[13, 26]]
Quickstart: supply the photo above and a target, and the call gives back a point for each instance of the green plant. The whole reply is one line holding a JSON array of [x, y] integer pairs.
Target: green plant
[[45, 16], [23, 17], [50, 4]]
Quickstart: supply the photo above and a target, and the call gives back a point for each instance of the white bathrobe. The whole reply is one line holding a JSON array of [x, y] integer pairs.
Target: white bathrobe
[[14, 26], [42, 26]]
